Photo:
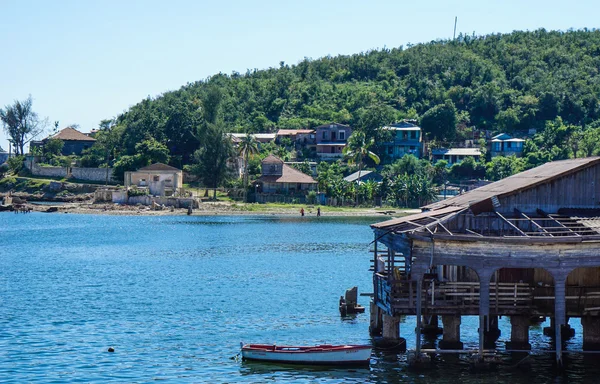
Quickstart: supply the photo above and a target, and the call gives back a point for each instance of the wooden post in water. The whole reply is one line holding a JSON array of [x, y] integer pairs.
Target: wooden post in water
[[419, 310], [559, 315], [484, 307]]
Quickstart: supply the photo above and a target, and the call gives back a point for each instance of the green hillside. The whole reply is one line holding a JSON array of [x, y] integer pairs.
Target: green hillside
[[501, 82]]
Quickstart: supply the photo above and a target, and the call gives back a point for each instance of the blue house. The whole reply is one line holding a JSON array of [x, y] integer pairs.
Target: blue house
[[505, 145], [407, 139]]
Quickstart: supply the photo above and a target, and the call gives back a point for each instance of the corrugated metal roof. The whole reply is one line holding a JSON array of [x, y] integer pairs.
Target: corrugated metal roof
[[354, 176], [292, 132], [515, 183], [334, 124], [416, 217], [457, 151], [413, 128]]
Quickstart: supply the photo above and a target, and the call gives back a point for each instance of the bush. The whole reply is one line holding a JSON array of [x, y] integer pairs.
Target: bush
[[3, 169], [134, 191], [311, 197], [15, 164]]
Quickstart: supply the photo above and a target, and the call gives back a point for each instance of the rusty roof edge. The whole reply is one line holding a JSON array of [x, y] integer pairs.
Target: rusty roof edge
[[593, 161]]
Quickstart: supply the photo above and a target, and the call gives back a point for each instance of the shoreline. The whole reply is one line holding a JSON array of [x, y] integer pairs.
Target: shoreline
[[214, 209]]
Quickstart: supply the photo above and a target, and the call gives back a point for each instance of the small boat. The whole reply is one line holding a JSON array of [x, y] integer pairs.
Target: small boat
[[309, 355]]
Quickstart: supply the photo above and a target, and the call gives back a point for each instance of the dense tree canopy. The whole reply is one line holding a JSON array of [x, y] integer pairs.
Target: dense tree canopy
[[502, 82]]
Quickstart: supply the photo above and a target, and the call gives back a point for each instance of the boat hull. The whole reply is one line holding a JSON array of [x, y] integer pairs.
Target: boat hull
[[318, 355]]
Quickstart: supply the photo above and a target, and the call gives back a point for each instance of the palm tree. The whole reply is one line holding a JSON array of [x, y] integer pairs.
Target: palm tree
[[248, 146], [357, 151]]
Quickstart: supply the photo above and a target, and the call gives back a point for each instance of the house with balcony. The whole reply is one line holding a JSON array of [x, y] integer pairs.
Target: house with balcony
[[160, 179], [505, 145], [406, 139], [331, 140], [454, 155]]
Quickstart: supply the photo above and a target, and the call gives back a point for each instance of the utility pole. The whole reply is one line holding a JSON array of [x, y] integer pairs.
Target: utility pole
[[455, 20]]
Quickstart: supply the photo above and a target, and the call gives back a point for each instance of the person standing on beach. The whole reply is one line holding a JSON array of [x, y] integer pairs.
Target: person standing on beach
[[318, 211], [301, 211]]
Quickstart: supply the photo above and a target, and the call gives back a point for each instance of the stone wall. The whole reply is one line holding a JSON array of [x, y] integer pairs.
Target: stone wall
[[87, 174], [47, 171], [92, 174]]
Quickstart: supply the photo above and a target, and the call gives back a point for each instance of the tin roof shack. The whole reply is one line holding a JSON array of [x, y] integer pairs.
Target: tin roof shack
[[279, 178], [160, 179], [527, 245]]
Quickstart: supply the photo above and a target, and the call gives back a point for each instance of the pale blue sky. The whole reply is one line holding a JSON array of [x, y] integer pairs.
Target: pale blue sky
[[83, 61]]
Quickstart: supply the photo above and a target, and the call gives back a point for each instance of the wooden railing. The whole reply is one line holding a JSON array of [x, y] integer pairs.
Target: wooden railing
[[399, 297]]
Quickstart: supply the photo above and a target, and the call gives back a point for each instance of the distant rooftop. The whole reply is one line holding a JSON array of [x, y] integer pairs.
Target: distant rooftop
[[407, 125], [292, 132], [354, 176], [159, 167], [71, 134], [457, 151], [336, 124]]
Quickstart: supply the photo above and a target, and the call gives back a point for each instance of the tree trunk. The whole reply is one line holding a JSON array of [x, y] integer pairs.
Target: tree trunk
[[245, 179], [357, 184]]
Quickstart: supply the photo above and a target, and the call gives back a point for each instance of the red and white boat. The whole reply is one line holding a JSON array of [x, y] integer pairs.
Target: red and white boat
[[309, 355]]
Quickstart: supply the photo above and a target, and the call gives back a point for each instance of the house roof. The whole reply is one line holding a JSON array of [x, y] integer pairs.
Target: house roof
[[288, 175], [257, 136], [271, 159], [408, 221], [2, 150], [507, 140], [336, 124], [457, 151], [363, 176], [516, 183], [292, 132], [501, 136], [71, 134], [413, 128], [159, 167]]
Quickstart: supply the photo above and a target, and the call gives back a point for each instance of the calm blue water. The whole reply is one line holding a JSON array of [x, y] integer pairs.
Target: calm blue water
[[175, 296]]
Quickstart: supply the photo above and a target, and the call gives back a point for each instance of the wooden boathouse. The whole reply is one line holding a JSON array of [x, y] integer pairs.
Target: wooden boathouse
[[523, 247]]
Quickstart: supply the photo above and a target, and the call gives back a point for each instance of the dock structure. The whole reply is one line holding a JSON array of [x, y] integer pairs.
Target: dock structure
[[524, 247]]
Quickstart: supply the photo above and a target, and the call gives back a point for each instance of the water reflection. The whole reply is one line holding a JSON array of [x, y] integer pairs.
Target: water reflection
[[276, 371]]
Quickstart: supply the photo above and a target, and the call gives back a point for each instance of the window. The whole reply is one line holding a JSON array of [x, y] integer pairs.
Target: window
[[413, 134], [156, 178], [390, 150], [342, 135], [324, 135]]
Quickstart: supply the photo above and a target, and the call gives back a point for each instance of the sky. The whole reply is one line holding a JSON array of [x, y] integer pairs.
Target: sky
[[84, 61]]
